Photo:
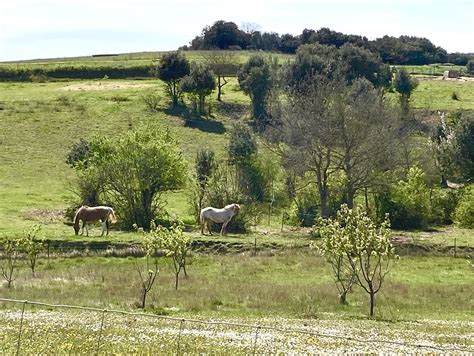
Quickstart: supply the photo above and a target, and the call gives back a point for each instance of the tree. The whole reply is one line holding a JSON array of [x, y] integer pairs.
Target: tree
[[175, 245], [135, 168], [364, 247], [31, 246], [367, 136], [205, 167], [404, 84], [470, 66], [222, 35], [10, 256], [223, 64], [150, 244], [331, 130], [199, 83], [255, 79], [172, 67]]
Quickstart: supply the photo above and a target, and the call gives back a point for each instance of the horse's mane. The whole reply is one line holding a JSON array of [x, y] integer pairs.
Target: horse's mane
[[77, 214]]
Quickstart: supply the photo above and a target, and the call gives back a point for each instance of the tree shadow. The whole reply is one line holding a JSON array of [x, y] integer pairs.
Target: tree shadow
[[205, 125]]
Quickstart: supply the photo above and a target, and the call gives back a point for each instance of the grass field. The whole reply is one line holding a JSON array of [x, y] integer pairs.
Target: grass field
[[38, 124]]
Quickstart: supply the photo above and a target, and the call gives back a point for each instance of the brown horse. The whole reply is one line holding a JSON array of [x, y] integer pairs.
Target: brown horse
[[94, 214]]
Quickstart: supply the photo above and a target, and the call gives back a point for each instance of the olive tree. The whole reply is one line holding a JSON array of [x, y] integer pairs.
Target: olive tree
[[404, 84], [363, 247]]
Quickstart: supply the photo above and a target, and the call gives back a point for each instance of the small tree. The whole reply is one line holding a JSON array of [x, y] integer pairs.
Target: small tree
[[470, 66], [148, 277], [223, 64], [10, 257], [404, 84], [205, 167], [172, 67], [344, 275], [175, 245], [255, 79], [364, 247], [199, 84], [31, 246]]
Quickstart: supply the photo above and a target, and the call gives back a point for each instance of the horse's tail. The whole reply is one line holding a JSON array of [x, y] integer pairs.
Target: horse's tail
[[76, 219], [201, 217], [113, 218]]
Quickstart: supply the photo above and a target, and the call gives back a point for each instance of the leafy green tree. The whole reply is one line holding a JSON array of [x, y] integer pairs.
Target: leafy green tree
[[408, 202], [470, 66], [173, 66], [365, 249], [176, 245], [136, 168], [32, 246], [256, 80], [9, 261], [205, 167], [404, 84], [199, 83], [464, 214]]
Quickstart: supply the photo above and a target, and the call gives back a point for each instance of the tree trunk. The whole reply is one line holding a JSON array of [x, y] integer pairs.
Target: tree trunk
[[323, 197], [219, 88], [176, 280], [372, 303], [144, 298], [342, 297]]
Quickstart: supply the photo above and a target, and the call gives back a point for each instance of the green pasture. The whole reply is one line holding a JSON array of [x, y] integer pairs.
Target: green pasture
[[436, 69], [289, 283]]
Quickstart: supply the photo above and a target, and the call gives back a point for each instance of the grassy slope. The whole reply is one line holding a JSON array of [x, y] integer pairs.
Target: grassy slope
[[39, 123]]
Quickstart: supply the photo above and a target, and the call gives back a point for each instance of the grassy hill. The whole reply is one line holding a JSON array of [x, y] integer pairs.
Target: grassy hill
[[40, 121]]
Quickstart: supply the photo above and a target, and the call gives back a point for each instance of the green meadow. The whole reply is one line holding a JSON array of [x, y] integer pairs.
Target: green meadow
[[268, 272]]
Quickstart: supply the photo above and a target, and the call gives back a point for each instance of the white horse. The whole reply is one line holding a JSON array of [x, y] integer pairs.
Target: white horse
[[218, 216]]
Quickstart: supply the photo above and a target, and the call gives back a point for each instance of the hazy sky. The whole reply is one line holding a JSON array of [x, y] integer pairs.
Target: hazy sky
[[63, 28]]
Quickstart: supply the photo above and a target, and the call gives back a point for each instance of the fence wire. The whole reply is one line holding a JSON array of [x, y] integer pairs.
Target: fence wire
[[164, 334]]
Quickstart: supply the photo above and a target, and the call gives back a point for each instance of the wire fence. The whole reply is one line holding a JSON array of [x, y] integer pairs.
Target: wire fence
[[39, 328]]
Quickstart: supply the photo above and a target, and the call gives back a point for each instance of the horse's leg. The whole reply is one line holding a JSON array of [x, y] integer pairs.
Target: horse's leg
[[223, 227], [202, 222], [83, 224], [208, 228], [107, 226], [103, 228], [87, 228]]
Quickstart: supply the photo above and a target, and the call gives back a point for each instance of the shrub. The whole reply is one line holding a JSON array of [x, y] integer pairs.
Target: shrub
[[152, 101], [464, 214], [408, 203], [443, 205]]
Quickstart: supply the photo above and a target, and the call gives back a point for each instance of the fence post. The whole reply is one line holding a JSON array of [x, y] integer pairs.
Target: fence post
[[255, 342], [181, 323], [100, 330], [21, 327]]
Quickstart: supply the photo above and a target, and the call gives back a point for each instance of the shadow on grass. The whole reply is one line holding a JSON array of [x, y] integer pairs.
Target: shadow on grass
[[205, 125]]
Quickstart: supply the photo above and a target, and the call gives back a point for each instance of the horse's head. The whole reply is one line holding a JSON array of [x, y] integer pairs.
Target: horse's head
[[76, 228], [236, 208]]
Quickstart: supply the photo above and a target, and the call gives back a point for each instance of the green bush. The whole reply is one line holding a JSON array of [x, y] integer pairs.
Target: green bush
[[464, 214], [408, 202], [443, 205]]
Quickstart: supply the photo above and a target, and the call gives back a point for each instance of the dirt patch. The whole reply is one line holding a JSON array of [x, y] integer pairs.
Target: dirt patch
[[44, 214], [103, 86]]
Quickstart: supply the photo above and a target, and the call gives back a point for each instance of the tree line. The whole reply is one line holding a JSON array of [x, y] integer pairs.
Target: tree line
[[393, 50]]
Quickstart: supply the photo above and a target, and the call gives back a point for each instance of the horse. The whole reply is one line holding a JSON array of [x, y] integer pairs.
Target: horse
[[93, 214], [218, 216]]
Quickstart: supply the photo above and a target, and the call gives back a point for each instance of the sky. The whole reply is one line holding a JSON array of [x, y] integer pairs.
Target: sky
[[31, 29]]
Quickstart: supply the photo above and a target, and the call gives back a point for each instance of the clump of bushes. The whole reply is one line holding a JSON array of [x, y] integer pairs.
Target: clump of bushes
[[464, 213]]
